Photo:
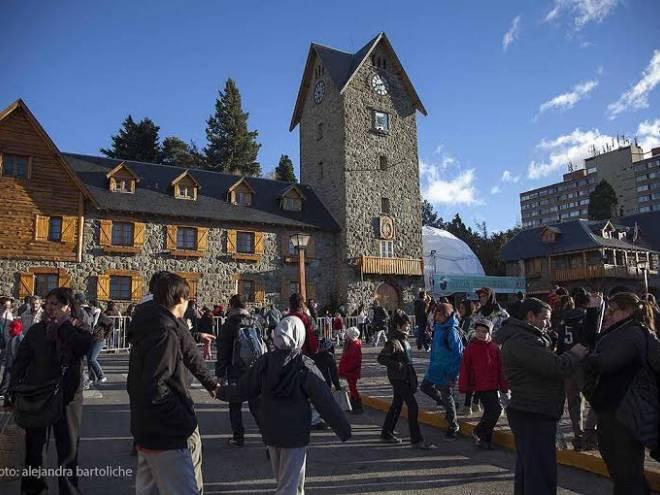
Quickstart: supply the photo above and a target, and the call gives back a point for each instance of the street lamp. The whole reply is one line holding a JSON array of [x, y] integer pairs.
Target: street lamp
[[300, 242], [641, 265]]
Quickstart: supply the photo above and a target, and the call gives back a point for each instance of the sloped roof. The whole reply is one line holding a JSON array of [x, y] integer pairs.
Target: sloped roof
[[577, 235], [649, 226], [342, 67], [153, 195]]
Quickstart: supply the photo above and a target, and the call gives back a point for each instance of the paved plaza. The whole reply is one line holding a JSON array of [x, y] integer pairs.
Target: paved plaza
[[362, 465]]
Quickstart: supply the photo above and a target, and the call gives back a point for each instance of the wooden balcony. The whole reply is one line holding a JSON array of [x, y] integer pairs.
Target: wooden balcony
[[598, 271], [391, 266]]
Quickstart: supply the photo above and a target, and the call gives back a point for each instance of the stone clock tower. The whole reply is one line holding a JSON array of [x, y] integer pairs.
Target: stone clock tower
[[358, 149]]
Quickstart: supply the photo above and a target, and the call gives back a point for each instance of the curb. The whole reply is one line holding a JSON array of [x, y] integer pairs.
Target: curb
[[580, 460]]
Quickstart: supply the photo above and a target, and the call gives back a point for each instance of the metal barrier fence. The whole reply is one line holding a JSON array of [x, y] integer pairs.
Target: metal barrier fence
[[324, 324], [117, 341]]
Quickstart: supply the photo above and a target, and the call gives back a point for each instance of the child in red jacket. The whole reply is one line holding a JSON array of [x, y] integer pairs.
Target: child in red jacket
[[481, 371], [350, 366]]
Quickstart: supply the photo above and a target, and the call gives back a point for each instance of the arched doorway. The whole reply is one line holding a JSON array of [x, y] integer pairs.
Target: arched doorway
[[388, 296]]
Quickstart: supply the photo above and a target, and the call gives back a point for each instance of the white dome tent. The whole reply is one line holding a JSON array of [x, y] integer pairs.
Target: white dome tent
[[446, 254]]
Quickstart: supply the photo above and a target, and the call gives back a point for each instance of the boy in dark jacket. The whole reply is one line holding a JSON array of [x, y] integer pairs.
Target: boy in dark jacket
[[286, 381], [163, 420], [481, 371], [397, 356], [325, 362]]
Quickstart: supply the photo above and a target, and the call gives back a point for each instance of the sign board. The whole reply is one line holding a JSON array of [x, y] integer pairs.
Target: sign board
[[445, 285]]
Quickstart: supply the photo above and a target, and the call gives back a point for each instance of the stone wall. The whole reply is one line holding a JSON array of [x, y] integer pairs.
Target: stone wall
[[218, 270]]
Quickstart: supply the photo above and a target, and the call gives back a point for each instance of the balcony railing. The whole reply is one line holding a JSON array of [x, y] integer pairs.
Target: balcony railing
[[598, 271], [391, 266]]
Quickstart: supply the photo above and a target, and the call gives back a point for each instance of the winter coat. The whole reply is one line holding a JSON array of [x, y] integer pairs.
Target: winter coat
[[420, 313], [12, 350], [535, 374], [39, 358], [481, 368], [311, 345], [224, 366], [350, 364], [326, 364], [396, 355], [497, 316], [446, 353], [286, 383], [162, 414]]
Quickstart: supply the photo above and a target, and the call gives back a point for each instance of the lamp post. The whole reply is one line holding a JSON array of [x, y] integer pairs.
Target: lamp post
[[642, 266], [300, 242]]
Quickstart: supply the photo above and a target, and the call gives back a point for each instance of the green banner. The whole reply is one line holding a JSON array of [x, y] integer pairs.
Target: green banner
[[445, 285]]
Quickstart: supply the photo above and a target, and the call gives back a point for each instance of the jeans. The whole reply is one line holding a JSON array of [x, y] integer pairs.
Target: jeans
[[289, 469], [164, 472], [442, 394], [195, 448], [95, 370], [421, 337], [402, 393], [536, 455], [492, 411], [67, 436], [573, 387], [623, 454]]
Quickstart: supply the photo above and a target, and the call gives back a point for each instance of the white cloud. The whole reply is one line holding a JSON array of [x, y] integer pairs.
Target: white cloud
[[437, 188], [512, 34], [637, 96], [570, 148], [582, 11], [648, 134], [566, 101], [495, 189], [507, 176]]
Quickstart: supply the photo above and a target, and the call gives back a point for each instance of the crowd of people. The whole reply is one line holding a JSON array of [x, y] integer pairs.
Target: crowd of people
[[528, 359]]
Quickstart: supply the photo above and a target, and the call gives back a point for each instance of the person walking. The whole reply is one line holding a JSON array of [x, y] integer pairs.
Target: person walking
[[535, 375], [101, 331], [444, 363], [285, 381], [53, 349], [420, 307], [33, 314], [15, 339], [228, 366], [326, 363], [350, 367], [490, 309], [297, 308], [623, 390], [481, 371], [163, 420], [397, 357]]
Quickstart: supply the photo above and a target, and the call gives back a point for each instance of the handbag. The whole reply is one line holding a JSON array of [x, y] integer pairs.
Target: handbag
[[39, 406], [341, 397]]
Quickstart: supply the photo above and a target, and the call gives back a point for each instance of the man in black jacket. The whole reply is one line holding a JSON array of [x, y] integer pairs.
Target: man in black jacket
[[163, 421], [227, 369]]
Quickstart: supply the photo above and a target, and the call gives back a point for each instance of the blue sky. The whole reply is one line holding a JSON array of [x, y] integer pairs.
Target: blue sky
[[514, 89]]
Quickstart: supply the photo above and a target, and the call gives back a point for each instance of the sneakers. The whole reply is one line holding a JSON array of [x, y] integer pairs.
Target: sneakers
[[451, 435], [236, 442], [321, 425], [467, 411], [423, 445], [390, 439], [477, 441], [103, 380]]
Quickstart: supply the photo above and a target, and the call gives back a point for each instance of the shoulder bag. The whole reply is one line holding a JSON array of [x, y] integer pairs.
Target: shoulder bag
[[39, 406]]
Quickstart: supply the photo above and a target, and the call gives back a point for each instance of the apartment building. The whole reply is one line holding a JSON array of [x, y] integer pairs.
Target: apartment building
[[647, 182]]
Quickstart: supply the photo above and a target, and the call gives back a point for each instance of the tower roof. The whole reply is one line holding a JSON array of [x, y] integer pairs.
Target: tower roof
[[342, 67]]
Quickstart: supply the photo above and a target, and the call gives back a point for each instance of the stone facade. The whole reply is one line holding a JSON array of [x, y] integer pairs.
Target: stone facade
[[353, 183]]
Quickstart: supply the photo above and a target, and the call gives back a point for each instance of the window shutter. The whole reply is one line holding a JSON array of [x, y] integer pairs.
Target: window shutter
[[105, 233], [231, 242], [259, 291], [310, 251], [170, 239], [138, 234], [41, 228], [64, 278], [68, 229], [284, 244], [192, 283], [113, 184], [259, 241], [136, 287], [311, 291], [103, 287], [202, 239], [26, 285], [284, 292]]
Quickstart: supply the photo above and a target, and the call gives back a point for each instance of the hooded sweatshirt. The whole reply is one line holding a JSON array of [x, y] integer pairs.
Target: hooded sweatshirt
[[446, 352], [286, 381], [534, 372]]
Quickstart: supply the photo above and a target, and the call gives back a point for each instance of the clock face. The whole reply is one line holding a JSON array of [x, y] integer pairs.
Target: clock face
[[319, 91], [379, 84]]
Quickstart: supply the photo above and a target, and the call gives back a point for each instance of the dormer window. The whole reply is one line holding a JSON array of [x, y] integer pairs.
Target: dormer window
[[241, 193], [292, 199], [122, 179], [185, 186]]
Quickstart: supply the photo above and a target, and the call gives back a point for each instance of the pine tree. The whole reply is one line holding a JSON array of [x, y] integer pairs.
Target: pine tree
[[602, 201], [284, 170], [136, 141], [230, 146], [176, 151], [429, 217]]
